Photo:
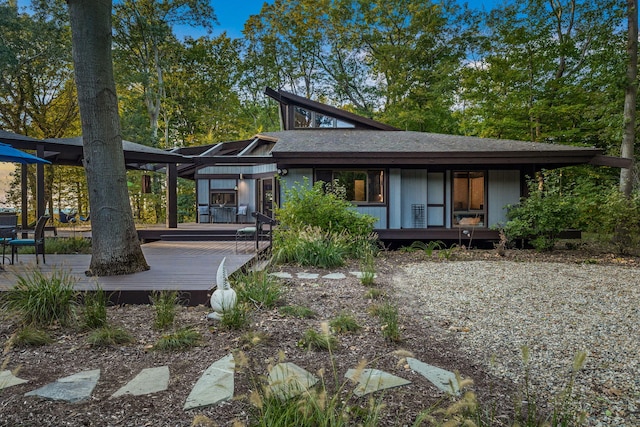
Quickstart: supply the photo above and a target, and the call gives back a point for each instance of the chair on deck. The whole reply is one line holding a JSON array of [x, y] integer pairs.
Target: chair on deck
[[37, 242], [242, 212], [8, 231], [67, 218]]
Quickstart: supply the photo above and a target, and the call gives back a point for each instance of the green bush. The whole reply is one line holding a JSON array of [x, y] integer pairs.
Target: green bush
[[541, 217], [43, 299], [319, 228], [619, 220], [181, 339]]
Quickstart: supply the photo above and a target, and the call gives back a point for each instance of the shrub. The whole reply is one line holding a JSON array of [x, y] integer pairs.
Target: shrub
[[540, 217], [236, 317], [620, 220], [320, 228], [106, 336], [43, 299], [164, 304]]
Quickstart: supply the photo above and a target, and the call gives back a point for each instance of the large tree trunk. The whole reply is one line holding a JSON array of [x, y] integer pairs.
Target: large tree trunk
[[630, 96], [116, 249]]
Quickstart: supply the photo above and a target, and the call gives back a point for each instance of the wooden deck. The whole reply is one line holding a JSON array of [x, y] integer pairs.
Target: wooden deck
[[187, 266]]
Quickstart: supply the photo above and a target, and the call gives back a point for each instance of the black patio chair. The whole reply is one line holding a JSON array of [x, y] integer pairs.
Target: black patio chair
[[37, 242]]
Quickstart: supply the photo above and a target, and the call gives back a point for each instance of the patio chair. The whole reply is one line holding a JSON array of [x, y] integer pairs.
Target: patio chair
[[67, 218], [242, 212], [37, 242], [8, 231]]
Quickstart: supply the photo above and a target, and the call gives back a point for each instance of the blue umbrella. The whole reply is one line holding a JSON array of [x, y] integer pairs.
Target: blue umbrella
[[13, 155]]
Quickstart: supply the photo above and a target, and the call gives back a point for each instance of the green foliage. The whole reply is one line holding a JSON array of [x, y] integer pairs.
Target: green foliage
[[427, 248], [540, 217], [367, 269], [106, 336], [344, 323], [258, 287], [182, 339], [297, 311], [32, 337], [319, 228], [164, 305], [388, 314], [41, 299], [619, 219], [236, 317], [95, 308], [314, 340], [67, 245]]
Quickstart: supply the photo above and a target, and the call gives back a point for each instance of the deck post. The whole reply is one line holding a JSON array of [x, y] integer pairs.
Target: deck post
[[172, 195]]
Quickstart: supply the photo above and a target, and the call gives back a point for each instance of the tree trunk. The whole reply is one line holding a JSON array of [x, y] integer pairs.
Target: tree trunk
[[116, 249], [630, 96]]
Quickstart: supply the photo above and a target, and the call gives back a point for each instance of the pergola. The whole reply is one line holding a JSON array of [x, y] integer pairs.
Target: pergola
[[69, 152]]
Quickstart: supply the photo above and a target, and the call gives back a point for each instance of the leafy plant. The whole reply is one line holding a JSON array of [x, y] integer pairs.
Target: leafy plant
[[344, 323], [540, 217], [367, 270], [164, 305], [107, 336], [427, 247], [297, 311], [95, 308], [319, 228], [30, 336], [43, 299], [181, 339]]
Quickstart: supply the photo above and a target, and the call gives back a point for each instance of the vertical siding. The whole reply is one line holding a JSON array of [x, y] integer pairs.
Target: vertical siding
[[395, 199], [247, 196], [291, 178], [379, 212], [203, 191], [504, 189], [413, 191]]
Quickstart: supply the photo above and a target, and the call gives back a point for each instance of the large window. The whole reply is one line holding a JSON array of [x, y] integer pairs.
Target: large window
[[469, 198], [359, 186], [310, 119]]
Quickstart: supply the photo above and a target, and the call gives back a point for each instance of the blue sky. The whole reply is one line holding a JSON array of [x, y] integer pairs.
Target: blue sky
[[233, 14]]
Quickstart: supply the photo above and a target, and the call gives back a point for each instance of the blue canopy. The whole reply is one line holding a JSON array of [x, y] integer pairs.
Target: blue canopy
[[13, 155]]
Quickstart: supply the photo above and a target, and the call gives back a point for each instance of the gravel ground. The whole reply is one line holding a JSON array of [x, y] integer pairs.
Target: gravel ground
[[556, 310]]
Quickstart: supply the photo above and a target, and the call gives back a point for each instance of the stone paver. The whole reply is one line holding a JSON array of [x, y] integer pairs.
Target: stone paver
[[7, 379], [74, 388], [372, 380], [288, 379], [281, 275], [308, 276], [215, 385], [441, 378], [334, 276], [148, 381]]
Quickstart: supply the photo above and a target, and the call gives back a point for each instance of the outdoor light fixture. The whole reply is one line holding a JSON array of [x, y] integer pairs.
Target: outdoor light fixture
[[283, 172]]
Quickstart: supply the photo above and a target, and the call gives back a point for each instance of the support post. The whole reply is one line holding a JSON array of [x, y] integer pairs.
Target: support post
[[172, 195]]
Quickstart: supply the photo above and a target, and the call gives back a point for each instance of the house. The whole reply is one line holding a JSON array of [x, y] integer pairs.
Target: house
[[419, 186]]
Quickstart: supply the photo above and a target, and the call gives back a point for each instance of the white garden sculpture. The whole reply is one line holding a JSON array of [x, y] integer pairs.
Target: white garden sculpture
[[223, 298]]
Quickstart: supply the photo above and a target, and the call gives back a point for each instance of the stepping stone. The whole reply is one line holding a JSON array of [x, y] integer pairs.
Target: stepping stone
[[372, 380], [334, 276], [281, 275], [150, 380], [441, 378], [7, 379], [359, 274], [288, 380], [215, 385], [72, 389], [308, 276]]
